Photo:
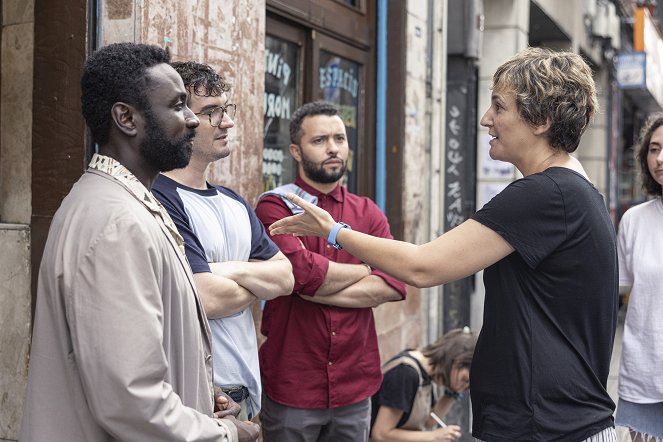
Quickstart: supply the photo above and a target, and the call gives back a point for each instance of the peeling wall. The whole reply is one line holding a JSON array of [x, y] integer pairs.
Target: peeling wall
[[16, 111], [227, 35], [417, 127], [243, 66]]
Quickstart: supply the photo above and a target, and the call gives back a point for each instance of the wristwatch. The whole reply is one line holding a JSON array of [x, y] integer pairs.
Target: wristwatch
[[331, 239]]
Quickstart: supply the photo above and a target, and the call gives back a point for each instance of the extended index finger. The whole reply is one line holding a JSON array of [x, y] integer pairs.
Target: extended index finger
[[299, 201], [283, 226]]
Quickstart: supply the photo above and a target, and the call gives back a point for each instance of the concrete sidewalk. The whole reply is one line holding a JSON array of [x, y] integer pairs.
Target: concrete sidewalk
[[613, 377]]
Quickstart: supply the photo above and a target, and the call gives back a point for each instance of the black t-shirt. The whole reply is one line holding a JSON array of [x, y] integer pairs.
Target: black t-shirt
[[542, 359], [398, 389]]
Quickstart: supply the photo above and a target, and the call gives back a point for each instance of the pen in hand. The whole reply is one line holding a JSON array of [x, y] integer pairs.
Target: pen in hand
[[439, 421]]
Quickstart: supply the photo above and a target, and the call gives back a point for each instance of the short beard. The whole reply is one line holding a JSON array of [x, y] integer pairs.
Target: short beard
[[317, 173], [161, 152]]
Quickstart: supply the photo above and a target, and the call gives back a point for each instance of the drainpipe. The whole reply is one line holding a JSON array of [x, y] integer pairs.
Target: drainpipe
[[381, 107], [437, 42]]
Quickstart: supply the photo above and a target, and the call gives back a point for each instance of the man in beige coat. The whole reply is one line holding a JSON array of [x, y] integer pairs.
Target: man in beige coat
[[121, 346]]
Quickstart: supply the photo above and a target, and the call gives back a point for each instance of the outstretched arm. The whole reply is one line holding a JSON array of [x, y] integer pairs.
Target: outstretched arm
[[322, 280], [458, 253]]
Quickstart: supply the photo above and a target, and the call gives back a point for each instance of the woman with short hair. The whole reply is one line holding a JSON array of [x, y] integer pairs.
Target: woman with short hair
[[547, 246]]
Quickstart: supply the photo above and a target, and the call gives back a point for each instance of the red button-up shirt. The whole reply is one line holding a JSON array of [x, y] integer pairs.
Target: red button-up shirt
[[319, 356]]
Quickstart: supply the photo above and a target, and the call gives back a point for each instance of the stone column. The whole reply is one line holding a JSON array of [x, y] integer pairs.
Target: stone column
[[15, 209]]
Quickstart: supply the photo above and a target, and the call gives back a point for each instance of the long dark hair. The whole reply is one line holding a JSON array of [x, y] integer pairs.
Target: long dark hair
[[649, 184]]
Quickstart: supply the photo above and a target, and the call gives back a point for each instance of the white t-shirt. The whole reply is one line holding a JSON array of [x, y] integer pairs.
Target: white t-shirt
[[640, 248], [218, 225]]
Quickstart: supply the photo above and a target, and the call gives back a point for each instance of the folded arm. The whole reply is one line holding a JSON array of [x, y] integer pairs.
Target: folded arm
[[340, 276], [264, 279], [221, 296], [370, 291], [322, 280]]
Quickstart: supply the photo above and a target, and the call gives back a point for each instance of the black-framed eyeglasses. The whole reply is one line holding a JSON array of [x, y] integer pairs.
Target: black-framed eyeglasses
[[215, 114]]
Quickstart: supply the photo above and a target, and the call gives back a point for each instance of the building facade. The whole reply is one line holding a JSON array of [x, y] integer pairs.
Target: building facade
[[411, 79], [276, 55]]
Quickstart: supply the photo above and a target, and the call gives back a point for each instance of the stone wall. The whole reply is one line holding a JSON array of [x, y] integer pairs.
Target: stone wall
[[16, 111], [15, 320], [402, 325], [15, 208]]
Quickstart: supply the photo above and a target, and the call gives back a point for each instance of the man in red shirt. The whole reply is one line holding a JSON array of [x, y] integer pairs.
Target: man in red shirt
[[320, 363]]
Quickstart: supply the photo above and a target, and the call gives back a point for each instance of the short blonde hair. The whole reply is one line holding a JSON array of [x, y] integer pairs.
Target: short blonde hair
[[551, 85]]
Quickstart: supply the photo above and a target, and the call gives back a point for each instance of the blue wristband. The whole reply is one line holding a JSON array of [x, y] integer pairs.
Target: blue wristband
[[331, 239]]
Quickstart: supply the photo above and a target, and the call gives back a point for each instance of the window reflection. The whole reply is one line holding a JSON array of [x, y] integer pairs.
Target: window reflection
[[281, 61], [339, 84]]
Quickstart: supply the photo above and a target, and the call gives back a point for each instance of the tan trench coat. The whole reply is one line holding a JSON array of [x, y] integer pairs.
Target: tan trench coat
[[121, 347]]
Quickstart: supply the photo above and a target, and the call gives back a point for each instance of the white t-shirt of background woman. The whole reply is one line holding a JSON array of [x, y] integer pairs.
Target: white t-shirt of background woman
[[640, 251]]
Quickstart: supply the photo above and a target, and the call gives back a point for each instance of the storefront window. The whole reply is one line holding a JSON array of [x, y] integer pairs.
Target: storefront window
[[305, 63], [281, 61], [339, 84]]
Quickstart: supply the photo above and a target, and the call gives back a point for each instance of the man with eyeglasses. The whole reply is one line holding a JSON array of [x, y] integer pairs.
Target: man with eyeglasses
[[234, 261]]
